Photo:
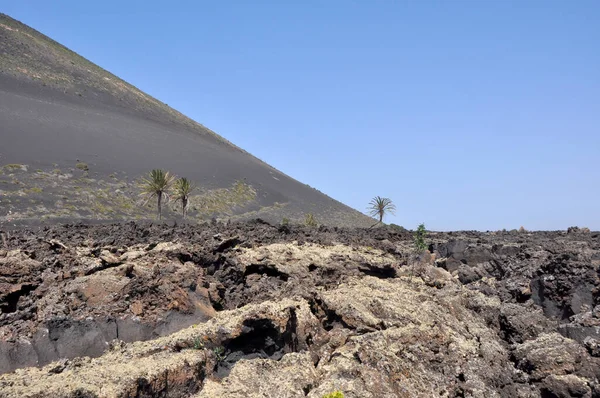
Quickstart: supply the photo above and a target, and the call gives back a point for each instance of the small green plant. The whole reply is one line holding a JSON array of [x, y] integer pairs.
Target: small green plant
[[82, 166], [198, 344], [285, 221], [219, 354], [335, 394], [310, 220], [420, 234]]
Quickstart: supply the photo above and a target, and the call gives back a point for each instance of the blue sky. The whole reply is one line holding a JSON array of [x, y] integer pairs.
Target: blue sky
[[467, 114]]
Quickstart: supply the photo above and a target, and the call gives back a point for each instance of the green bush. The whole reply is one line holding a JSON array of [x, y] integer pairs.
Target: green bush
[[335, 394], [310, 220], [420, 234], [198, 344], [82, 166]]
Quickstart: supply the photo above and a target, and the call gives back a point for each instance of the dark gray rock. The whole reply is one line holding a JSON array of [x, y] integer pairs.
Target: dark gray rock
[[565, 386]]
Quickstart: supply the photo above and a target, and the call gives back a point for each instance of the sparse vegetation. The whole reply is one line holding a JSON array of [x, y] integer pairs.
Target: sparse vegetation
[[82, 166], [335, 394], [285, 221], [223, 200], [219, 354], [522, 229], [157, 184], [14, 167], [310, 220], [182, 190], [420, 235], [34, 190], [379, 207], [198, 344]]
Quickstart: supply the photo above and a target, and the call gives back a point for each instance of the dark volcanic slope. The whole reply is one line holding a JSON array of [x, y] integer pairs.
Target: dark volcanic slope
[[70, 131]]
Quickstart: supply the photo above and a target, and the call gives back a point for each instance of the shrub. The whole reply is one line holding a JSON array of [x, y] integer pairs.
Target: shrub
[[219, 354], [198, 344], [420, 234], [335, 394], [310, 220], [522, 229], [82, 166], [285, 221], [14, 167]]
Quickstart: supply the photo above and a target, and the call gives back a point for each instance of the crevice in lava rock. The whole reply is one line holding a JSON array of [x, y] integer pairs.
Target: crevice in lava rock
[[83, 393], [328, 317], [546, 393], [178, 382], [181, 256], [290, 336], [212, 265], [265, 269], [11, 300], [104, 265], [306, 389], [382, 272], [227, 244], [507, 332], [260, 338]]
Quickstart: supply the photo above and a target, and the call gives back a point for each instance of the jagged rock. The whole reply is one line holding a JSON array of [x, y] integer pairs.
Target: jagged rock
[[293, 376], [173, 365], [553, 354], [519, 323], [565, 386], [593, 346], [310, 310]]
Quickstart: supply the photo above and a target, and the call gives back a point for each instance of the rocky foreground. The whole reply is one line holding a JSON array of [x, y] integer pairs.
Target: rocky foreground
[[254, 310]]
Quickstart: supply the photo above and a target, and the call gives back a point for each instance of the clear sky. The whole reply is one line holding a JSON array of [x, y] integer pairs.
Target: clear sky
[[467, 114]]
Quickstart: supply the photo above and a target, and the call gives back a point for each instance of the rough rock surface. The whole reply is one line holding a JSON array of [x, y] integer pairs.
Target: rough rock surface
[[254, 310]]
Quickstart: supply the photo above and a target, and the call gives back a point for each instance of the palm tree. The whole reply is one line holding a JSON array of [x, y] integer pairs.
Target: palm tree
[[379, 207], [158, 183], [183, 188]]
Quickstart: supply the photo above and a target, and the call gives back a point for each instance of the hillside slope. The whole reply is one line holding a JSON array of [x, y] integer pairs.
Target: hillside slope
[[76, 138]]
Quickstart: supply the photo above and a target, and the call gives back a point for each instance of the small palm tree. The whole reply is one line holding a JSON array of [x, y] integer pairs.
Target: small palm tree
[[158, 183], [379, 207], [182, 190]]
